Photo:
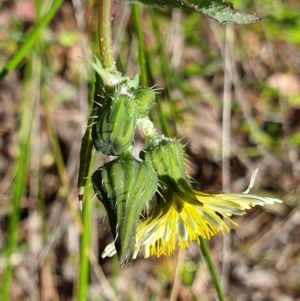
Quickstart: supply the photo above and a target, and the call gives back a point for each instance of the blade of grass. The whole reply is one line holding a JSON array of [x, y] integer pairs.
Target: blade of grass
[[35, 215], [65, 189], [31, 39], [21, 168], [177, 278], [145, 62], [226, 119], [103, 281], [168, 77], [165, 62], [136, 16]]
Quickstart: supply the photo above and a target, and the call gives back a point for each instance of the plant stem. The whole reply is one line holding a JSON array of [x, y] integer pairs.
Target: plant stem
[[104, 34], [211, 267], [84, 263], [107, 61]]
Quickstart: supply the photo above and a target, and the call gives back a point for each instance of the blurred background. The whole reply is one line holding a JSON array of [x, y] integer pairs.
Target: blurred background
[[230, 92]]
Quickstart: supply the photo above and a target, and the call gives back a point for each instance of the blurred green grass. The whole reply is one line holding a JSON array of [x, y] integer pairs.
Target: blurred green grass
[[48, 87]]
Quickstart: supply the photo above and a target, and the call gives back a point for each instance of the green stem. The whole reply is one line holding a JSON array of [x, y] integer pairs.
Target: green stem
[[104, 34], [107, 61], [84, 264], [211, 267]]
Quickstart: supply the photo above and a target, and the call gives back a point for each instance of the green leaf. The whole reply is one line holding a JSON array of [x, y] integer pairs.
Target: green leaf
[[219, 10]]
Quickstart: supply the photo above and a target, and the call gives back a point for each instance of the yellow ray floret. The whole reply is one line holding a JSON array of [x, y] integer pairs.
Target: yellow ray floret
[[180, 217]]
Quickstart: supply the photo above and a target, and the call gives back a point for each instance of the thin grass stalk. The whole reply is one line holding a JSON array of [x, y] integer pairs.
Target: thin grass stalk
[[31, 39], [165, 67], [162, 119], [212, 270], [34, 218], [61, 168], [136, 16], [177, 278], [168, 77], [35, 215], [144, 62], [226, 119], [21, 169]]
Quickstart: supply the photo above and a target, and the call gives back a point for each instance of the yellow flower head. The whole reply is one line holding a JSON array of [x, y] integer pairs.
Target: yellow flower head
[[182, 214], [183, 218]]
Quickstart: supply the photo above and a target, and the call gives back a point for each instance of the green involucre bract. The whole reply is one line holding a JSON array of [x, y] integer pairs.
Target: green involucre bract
[[114, 128], [144, 98], [124, 186], [166, 155]]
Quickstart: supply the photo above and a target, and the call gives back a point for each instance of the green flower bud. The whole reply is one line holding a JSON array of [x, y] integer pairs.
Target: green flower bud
[[124, 186], [167, 158], [144, 98], [115, 125]]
